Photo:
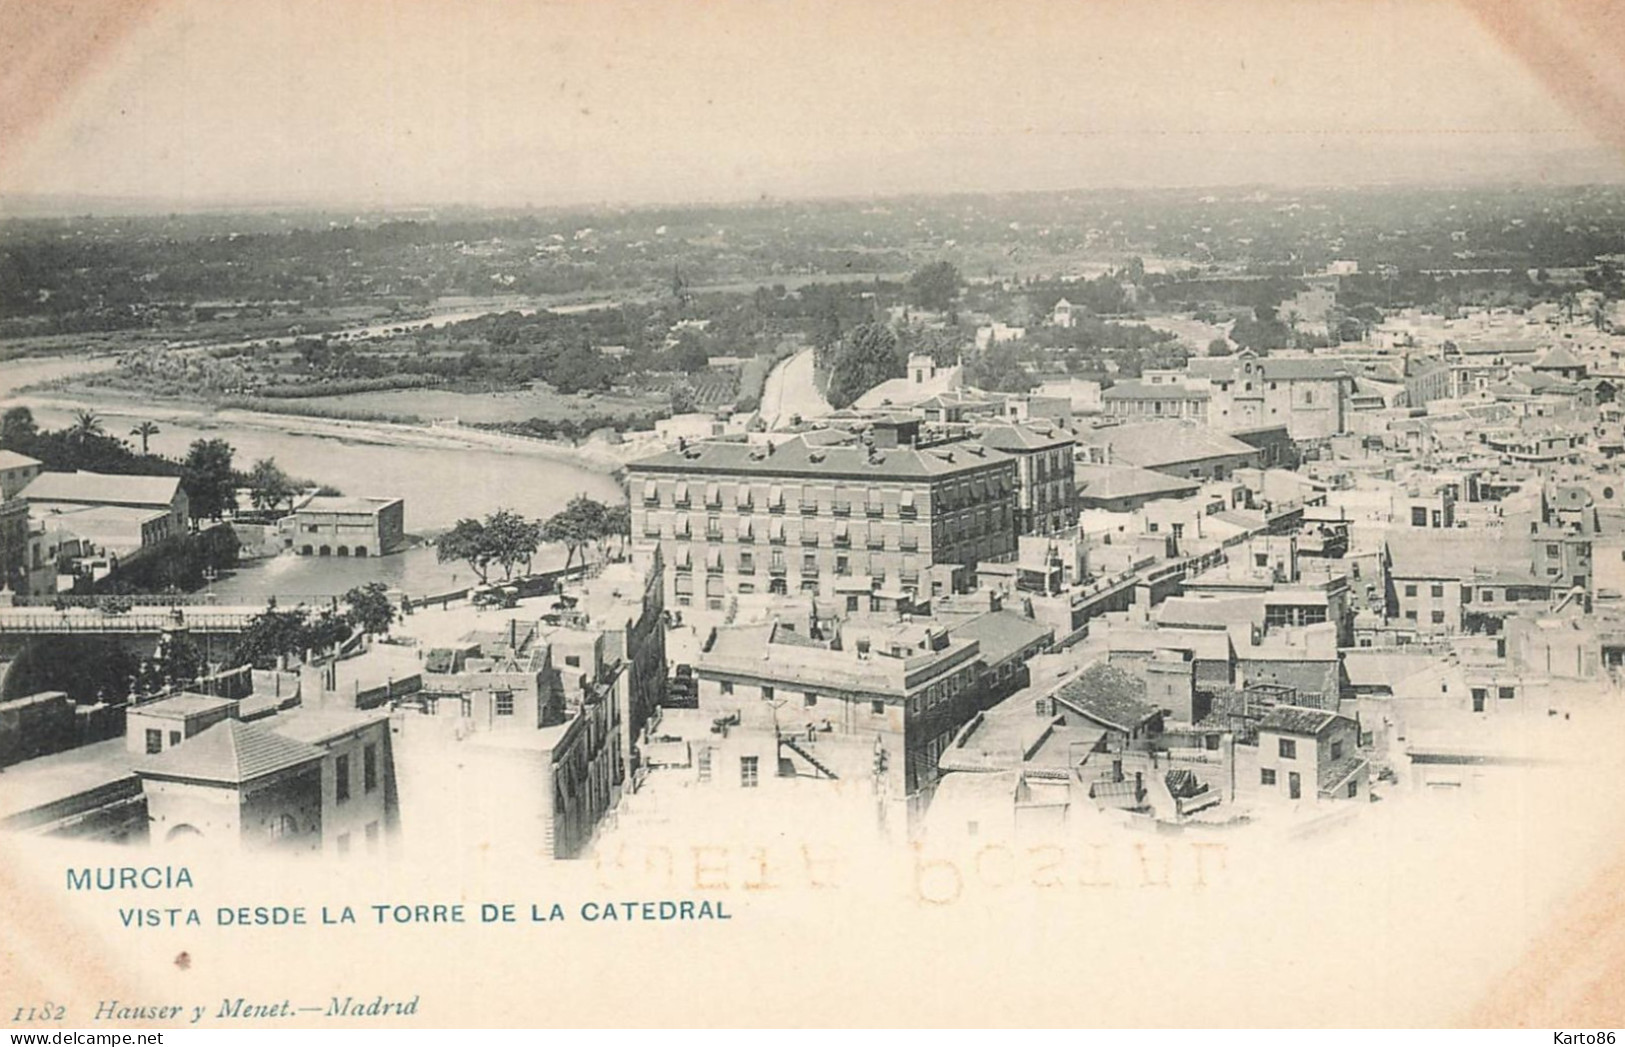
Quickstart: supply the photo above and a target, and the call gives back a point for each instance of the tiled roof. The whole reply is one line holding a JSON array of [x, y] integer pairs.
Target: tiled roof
[[102, 487], [1153, 444], [1292, 719], [1107, 695], [1107, 482], [1337, 772], [797, 458], [1559, 357], [231, 752], [1024, 438]]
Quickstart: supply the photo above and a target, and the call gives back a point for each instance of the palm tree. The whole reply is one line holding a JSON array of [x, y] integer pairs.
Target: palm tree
[[86, 423], [146, 430]]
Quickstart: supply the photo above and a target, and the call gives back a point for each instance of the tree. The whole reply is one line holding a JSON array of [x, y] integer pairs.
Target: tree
[[178, 662], [617, 525], [511, 539], [368, 608], [146, 431], [998, 369], [683, 400], [934, 286], [86, 424], [579, 523], [1219, 347], [209, 479], [466, 542], [866, 357], [268, 485], [270, 635], [17, 428]]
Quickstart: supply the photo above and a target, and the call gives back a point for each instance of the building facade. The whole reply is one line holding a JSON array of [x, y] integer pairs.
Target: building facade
[[798, 517]]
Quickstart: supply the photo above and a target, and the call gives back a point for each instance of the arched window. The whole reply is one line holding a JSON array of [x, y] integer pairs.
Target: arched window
[[282, 826], [182, 834]]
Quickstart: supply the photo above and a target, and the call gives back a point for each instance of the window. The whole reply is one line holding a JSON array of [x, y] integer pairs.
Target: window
[[1507, 693], [369, 768], [1438, 617], [504, 703], [1487, 595], [174, 737], [727, 687], [1337, 750], [1438, 592], [155, 742], [1266, 776], [1410, 590], [1354, 787], [1419, 516], [877, 708], [573, 660], [809, 699], [1410, 616], [1288, 749], [747, 772], [1552, 550], [341, 775], [767, 692], [705, 765]]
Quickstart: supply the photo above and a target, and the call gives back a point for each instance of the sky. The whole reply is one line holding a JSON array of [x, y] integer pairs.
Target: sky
[[637, 101]]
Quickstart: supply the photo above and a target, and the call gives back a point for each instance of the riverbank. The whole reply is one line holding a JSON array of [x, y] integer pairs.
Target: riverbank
[[598, 455]]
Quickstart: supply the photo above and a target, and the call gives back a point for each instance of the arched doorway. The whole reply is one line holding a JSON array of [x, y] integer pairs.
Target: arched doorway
[[344, 550], [305, 550], [361, 550], [326, 550]]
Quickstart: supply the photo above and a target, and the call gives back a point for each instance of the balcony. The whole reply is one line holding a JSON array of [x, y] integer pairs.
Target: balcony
[[841, 509], [809, 509], [713, 534], [909, 545], [908, 512], [776, 510], [877, 544], [777, 569], [746, 538], [809, 539], [843, 541], [874, 512], [809, 570]]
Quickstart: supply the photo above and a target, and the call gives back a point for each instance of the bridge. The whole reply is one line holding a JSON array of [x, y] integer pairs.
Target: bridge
[[88, 621]]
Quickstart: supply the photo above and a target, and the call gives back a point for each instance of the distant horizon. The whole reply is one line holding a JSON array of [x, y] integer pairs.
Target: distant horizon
[[45, 205]]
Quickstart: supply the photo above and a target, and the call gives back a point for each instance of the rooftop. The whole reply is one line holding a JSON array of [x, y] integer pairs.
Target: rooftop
[[1001, 633], [336, 504], [798, 458], [1107, 482], [1292, 719], [1153, 444], [182, 706], [13, 460], [1107, 695], [105, 488], [231, 752]]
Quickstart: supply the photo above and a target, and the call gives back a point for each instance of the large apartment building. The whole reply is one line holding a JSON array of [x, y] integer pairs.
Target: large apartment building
[[825, 518]]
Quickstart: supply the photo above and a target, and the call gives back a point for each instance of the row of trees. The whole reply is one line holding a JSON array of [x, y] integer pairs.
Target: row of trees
[[292, 632], [507, 540]]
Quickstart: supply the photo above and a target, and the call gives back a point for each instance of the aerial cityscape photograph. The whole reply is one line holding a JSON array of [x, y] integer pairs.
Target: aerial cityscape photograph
[[1088, 444]]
